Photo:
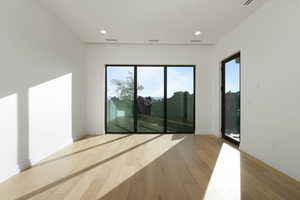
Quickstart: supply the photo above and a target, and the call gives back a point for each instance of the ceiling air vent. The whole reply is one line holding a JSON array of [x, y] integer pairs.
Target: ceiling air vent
[[248, 2], [153, 40], [111, 40], [196, 40]]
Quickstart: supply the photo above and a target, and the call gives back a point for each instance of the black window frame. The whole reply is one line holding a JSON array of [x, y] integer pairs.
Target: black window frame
[[223, 116], [135, 66]]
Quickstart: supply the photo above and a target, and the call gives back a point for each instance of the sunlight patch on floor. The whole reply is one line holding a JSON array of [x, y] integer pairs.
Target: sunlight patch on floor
[[136, 162], [225, 182]]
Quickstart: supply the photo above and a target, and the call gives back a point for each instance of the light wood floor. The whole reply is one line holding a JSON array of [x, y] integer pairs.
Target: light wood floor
[[150, 167]]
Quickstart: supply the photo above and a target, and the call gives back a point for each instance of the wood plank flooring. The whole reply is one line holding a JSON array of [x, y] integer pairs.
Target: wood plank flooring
[[150, 167]]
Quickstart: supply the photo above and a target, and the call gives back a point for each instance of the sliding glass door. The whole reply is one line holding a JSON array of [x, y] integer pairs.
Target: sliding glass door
[[231, 98], [120, 99], [180, 99], [150, 99]]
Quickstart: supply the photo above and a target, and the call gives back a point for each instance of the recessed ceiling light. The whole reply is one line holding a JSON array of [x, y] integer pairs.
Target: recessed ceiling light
[[197, 33], [103, 32]]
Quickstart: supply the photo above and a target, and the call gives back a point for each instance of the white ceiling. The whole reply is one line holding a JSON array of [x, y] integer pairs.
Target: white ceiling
[[137, 21]]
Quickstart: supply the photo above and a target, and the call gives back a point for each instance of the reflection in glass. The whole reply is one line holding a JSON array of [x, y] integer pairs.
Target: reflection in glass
[[232, 99], [120, 99], [150, 99], [180, 99]]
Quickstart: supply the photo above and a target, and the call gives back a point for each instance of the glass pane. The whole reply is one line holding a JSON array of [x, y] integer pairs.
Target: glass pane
[[232, 99], [180, 99], [150, 99], [120, 103]]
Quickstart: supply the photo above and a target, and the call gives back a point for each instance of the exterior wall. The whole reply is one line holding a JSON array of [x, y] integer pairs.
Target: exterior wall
[[99, 55]]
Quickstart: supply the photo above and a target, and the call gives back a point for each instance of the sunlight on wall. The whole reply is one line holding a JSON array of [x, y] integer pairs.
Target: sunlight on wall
[[50, 117], [9, 131], [226, 177]]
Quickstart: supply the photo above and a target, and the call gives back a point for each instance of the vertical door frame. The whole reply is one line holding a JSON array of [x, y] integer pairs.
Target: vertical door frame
[[165, 98], [135, 99], [223, 101]]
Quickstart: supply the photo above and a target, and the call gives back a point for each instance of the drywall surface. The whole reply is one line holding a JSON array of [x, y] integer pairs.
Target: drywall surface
[[99, 55], [40, 85], [269, 44]]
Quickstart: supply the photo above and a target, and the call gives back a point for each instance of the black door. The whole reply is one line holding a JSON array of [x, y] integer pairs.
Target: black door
[[231, 92]]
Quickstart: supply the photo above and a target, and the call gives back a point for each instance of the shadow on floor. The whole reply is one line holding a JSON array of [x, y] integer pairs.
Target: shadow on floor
[[179, 173], [183, 167], [97, 164], [80, 151]]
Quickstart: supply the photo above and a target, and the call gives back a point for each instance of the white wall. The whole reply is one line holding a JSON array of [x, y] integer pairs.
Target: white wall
[[269, 43], [40, 85], [99, 55], [41, 82]]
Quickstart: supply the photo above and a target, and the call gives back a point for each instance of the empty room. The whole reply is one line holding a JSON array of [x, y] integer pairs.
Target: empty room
[[149, 100]]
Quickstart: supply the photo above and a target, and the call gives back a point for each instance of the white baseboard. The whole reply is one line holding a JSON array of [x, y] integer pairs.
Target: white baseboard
[[36, 160], [25, 164], [13, 171]]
